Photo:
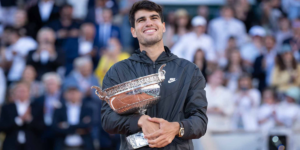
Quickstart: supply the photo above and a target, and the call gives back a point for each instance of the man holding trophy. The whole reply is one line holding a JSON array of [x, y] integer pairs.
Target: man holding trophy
[[153, 99]]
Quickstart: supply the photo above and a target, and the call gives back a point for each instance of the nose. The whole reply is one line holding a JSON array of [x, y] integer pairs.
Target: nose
[[149, 23]]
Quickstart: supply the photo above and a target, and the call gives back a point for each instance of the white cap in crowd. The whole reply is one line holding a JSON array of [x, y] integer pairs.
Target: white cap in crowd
[[198, 21], [257, 31]]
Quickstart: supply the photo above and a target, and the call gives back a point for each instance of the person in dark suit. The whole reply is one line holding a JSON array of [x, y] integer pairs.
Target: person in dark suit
[[94, 14], [42, 13], [72, 122], [264, 64], [81, 46], [106, 30], [16, 121], [44, 107], [46, 58], [65, 26]]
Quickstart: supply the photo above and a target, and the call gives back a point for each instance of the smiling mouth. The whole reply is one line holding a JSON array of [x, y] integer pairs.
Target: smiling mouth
[[150, 30]]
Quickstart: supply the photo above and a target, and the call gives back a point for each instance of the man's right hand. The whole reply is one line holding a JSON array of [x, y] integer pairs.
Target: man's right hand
[[147, 126]]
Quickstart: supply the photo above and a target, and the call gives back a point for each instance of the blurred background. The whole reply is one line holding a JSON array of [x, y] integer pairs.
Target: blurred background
[[53, 51]]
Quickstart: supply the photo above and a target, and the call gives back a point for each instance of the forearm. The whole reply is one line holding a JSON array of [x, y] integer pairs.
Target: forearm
[[114, 123], [195, 126]]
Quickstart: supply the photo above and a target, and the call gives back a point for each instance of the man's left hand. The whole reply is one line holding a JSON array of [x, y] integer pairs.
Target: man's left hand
[[165, 135]]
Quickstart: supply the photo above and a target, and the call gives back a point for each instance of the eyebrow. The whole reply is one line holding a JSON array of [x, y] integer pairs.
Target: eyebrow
[[154, 15]]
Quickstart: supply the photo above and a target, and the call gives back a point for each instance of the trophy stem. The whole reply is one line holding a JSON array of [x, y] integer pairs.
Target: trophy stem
[[142, 111]]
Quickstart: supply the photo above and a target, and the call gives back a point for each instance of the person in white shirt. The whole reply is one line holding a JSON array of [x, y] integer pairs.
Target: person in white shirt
[[221, 106], [72, 123], [288, 111], [254, 48], [80, 8], [267, 111], [17, 52], [224, 27], [16, 120], [247, 100], [189, 43]]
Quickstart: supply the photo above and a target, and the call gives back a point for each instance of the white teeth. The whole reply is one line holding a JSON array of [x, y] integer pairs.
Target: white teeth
[[150, 31]]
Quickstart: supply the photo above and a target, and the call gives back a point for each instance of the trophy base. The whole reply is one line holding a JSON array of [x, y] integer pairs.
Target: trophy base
[[137, 140]]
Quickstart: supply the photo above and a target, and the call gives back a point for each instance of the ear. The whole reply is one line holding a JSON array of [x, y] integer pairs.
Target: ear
[[164, 27], [133, 32]]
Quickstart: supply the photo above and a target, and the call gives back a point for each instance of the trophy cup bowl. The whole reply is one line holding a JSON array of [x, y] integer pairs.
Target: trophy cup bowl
[[134, 96]]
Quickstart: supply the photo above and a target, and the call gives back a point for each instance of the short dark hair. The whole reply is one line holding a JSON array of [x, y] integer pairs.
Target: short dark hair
[[147, 5]]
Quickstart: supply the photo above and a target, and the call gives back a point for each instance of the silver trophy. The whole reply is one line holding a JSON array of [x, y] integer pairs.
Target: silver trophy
[[134, 96]]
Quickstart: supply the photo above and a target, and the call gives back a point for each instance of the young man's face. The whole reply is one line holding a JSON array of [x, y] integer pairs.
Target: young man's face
[[148, 27]]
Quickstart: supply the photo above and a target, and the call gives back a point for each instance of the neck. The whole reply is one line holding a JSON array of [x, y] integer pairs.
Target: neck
[[153, 51], [213, 86]]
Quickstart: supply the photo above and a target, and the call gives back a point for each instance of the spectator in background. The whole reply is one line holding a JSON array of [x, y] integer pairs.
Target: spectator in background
[[42, 13], [8, 8], [16, 119], [203, 11], [247, 100], [45, 58], [245, 13], [36, 87], [80, 8], [170, 25], [128, 42], [16, 53], [26, 28], [83, 76], [221, 107], [95, 14], [267, 111], [286, 72], [292, 8], [72, 122], [234, 70], [182, 26], [43, 108], [264, 64], [112, 55], [288, 110], [271, 12], [224, 27], [106, 30], [190, 42], [285, 32], [65, 27], [231, 45], [200, 60], [294, 41], [255, 47], [80, 46]]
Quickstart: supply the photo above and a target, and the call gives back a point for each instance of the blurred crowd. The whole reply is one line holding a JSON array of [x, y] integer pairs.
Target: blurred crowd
[[53, 51]]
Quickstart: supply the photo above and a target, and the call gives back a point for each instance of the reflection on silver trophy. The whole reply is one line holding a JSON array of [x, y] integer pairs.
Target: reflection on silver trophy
[[134, 96]]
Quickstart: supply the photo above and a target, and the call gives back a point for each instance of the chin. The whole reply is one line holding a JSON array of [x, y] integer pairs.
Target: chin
[[150, 41]]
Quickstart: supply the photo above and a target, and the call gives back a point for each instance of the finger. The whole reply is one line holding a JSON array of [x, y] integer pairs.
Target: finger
[[160, 143], [154, 135], [157, 140], [157, 120]]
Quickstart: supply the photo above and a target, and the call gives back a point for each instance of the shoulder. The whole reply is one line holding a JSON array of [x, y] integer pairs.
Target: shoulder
[[207, 37], [118, 67], [238, 22], [185, 64], [8, 106]]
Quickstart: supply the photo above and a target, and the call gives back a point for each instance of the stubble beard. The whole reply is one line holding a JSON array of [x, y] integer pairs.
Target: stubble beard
[[150, 42]]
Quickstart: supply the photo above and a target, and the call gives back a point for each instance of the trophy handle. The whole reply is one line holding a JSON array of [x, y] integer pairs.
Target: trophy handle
[[161, 73], [101, 94]]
